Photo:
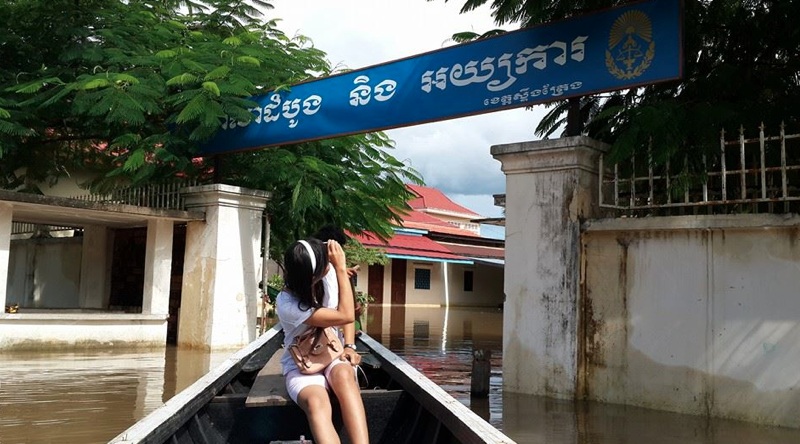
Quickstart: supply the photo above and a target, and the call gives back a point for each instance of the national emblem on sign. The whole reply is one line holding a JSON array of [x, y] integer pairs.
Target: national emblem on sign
[[630, 45]]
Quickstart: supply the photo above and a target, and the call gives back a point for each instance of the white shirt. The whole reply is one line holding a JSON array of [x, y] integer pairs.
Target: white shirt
[[293, 318]]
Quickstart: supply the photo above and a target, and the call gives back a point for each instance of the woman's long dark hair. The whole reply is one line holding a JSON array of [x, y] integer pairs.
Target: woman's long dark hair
[[298, 276]]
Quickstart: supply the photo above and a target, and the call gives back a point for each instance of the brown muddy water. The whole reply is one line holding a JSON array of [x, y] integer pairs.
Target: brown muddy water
[[90, 397]]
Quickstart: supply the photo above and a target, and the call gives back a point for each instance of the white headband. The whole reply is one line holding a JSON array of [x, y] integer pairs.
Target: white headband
[[310, 255]]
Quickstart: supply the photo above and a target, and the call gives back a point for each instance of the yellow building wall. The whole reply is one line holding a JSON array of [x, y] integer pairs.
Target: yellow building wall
[[487, 285], [419, 297]]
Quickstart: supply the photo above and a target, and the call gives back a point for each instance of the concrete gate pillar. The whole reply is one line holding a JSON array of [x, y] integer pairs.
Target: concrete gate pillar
[[5, 251], [551, 185], [221, 268]]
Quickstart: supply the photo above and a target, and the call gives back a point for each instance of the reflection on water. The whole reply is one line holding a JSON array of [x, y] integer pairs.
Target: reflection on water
[[439, 342], [90, 397]]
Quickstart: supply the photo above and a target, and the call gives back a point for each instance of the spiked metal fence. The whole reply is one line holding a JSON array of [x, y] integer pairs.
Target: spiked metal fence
[[754, 175], [165, 195]]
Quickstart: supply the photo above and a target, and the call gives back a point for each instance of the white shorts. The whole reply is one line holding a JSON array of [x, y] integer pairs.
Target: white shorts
[[296, 381]]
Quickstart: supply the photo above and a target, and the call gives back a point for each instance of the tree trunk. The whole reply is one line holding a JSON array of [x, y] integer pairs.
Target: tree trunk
[[574, 124]]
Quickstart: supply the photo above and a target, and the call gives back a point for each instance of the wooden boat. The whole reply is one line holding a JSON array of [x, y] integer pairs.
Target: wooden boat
[[243, 401]]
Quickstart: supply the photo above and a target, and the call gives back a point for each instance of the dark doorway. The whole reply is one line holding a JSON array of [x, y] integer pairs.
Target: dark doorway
[[176, 282], [127, 270], [375, 282], [399, 281]]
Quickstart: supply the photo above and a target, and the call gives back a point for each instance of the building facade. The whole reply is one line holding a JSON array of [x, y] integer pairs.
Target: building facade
[[436, 258]]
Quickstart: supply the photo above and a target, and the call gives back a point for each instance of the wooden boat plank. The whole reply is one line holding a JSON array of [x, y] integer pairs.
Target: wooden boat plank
[[269, 388], [467, 426]]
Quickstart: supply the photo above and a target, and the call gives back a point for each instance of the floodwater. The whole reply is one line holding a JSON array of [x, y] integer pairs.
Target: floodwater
[[90, 397], [439, 342]]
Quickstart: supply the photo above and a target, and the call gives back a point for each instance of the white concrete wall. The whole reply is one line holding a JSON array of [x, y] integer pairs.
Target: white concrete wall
[[74, 186], [38, 331], [158, 267], [45, 273], [5, 250], [694, 320]]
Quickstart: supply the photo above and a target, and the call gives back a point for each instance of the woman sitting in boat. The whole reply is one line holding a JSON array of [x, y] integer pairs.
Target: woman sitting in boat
[[304, 303]]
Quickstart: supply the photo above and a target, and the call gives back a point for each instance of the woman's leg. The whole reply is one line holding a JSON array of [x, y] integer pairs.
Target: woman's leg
[[343, 382], [314, 400]]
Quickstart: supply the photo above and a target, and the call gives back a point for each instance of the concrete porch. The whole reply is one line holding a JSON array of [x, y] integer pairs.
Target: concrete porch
[[62, 285]]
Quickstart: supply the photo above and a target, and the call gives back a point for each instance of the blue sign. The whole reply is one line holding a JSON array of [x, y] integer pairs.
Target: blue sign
[[620, 48]]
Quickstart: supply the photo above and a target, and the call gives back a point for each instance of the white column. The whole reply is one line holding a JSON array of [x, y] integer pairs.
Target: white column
[[157, 267], [94, 265], [5, 248], [446, 285], [219, 298], [550, 187]]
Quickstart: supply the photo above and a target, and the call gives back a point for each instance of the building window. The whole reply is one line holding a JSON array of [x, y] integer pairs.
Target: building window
[[468, 275], [422, 278]]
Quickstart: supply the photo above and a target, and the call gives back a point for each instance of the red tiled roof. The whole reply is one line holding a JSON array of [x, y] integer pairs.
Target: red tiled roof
[[407, 245], [434, 199], [476, 251], [423, 218]]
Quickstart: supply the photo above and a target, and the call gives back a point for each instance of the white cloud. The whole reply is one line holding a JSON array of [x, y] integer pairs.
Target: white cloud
[[454, 155], [451, 155]]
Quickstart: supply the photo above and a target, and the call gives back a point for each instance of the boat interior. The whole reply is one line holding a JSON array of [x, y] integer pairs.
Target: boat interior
[[254, 407]]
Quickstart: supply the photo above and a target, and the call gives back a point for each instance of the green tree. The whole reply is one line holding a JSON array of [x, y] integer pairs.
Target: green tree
[[357, 253], [348, 182], [741, 67], [130, 88]]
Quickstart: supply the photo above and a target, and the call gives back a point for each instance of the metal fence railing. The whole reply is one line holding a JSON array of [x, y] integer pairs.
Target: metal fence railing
[[165, 195], [756, 175]]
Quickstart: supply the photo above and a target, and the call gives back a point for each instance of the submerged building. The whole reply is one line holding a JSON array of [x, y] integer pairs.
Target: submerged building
[[436, 258]]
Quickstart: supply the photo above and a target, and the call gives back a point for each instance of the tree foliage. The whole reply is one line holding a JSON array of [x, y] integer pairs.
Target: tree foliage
[[741, 67], [357, 253], [348, 182], [129, 88]]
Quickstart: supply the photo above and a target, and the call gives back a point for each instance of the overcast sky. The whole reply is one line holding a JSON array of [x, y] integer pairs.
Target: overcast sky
[[452, 155]]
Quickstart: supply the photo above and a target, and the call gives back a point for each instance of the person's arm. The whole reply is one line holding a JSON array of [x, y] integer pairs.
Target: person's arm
[[345, 313], [350, 353]]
